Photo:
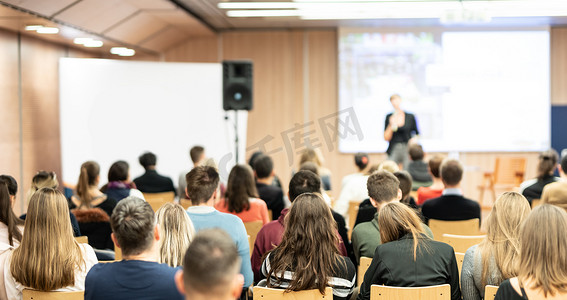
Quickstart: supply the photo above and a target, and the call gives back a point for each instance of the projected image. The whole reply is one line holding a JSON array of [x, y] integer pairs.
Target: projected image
[[470, 91]]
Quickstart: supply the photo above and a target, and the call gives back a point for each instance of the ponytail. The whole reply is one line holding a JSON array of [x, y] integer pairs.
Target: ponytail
[[547, 162], [7, 215], [83, 188]]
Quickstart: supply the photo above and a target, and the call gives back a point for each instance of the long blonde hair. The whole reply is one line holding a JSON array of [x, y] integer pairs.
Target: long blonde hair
[[502, 238], [43, 179], [395, 220], [48, 254], [543, 250], [90, 172], [176, 233]]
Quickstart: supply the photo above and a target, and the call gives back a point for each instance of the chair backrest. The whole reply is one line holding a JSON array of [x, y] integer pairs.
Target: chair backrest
[[536, 202], [39, 295], [270, 214], [459, 257], [278, 294], [436, 292], [362, 267], [185, 203], [82, 239], [252, 229], [117, 253], [464, 227], [352, 213], [490, 292], [509, 170], [156, 200], [461, 243]]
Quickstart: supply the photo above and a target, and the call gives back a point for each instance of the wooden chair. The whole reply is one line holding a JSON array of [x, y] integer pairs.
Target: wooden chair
[[436, 292], [461, 243], [362, 267], [278, 294], [352, 213], [535, 202], [185, 203], [252, 229], [508, 173], [270, 214], [106, 261], [490, 292], [117, 253], [156, 200], [28, 294], [82, 239], [460, 257], [464, 227], [250, 245]]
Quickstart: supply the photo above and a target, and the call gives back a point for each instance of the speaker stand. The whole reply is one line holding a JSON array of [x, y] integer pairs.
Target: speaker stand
[[236, 136]]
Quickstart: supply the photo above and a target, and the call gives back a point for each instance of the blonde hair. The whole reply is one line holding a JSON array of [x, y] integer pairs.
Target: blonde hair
[[41, 180], [310, 155], [543, 249], [395, 220], [48, 254], [176, 233], [502, 238], [389, 165]]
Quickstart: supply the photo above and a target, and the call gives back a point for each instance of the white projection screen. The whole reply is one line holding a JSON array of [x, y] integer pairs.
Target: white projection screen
[[470, 90], [115, 110]]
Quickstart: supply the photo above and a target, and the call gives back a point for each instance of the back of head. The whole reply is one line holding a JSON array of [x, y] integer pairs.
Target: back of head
[[543, 249], [88, 177], [361, 160], [564, 163], [405, 183], [147, 160], [211, 264], [451, 172], [435, 165], [118, 171], [303, 182], [196, 153], [397, 220], [309, 166], [133, 223], [202, 182], [415, 152], [263, 165], [382, 186], [311, 155], [547, 162], [253, 158], [7, 215], [44, 179], [176, 232], [240, 187], [10, 183], [389, 165]]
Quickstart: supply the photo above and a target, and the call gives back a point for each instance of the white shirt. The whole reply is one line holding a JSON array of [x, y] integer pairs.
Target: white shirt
[[4, 235], [354, 190]]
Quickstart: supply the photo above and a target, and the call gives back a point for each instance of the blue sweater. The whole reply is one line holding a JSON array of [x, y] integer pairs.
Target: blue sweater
[[235, 228]]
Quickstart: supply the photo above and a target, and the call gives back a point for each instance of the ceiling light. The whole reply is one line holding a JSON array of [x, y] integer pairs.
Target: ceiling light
[[263, 13], [122, 51], [48, 30], [82, 41], [93, 44], [33, 27]]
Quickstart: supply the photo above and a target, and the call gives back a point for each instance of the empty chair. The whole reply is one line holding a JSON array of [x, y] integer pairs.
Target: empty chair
[[464, 227], [156, 200], [252, 229], [279, 294], [460, 258], [490, 292], [508, 173], [436, 292], [39, 295], [461, 243], [362, 267]]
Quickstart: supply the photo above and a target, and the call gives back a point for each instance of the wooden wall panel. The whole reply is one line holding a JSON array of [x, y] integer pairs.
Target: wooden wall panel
[[559, 66], [195, 50]]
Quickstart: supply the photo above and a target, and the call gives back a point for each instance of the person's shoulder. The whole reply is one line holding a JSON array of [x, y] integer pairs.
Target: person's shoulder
[[471, 202], [258, 203], [432, 202], [364, 228]]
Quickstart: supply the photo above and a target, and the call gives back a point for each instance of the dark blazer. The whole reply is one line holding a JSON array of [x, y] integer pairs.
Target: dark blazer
[[273, 196], [393, 265], [450, 208], [152, 182]]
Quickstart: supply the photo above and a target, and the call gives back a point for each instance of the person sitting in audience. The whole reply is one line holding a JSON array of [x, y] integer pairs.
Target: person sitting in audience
[[309, 166], [271, 234], [241, 197], [276, 181], [451, 206], [202, 189], [436, 189], [362, 161], [151, 181], [407, 257], [417, 167], [48, 258], [138, 275], [272, 195], [210, 268], [197, 155], [383, 188], [542, 272], [547, 162], [308, 257], [353, 190], [496, 257], [92, 208], [176, 232], [556, 193], [11, 227], [389, 165], [314, 155], [119, 185]]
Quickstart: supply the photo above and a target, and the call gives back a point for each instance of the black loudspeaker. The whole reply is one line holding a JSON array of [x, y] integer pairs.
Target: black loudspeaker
[[237, 85]]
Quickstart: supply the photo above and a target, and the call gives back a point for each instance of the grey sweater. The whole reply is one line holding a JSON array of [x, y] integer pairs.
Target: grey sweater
[[471, 274]]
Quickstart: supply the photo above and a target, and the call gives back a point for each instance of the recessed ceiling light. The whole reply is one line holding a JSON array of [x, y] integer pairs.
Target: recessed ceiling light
[[122, 51], [33, 27], [81, 41], [93, 44], [48, 30]]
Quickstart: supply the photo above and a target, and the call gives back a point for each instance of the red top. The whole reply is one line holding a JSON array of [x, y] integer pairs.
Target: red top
[[258, 211], [426, 193]]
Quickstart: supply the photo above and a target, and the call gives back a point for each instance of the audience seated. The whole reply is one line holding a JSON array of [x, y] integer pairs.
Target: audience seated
[[389, 165], [197, 155], [556, 193], [92, 208], [119, 185], [417, 167], [451, 206], [314, 155], [276, 181], [176, 232], [138, 275], [496, 257], [272, 195], [407, 257], [436, 188], [48, 258], [151, 181], [542, 272], [353, 190], [547, 162], [271, 234], [11, 227], [210, 268], [309, 166], [202, 189], [308, 257], [383, 188], [241, 197], [362, 161]]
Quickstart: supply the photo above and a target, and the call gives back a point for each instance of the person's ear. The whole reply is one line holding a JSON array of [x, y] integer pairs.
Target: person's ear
[[399, 196], [114, 239], [273, 173], [12, 200], [156, 232], [186, 194], [374, 202], [237, 285], [179, 282]]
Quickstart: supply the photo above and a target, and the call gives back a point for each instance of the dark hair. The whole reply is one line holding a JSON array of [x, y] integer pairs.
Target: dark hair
[[309, 166], [240, 187], [7, 215], [361, 160], [451, 171], [564, 163], [253, 158], [382, 186], [415, 152], [405, 184], [195, 153], [90, 170], [304, 181], [147, 160], [132, 223], [202, 182], [118, 171], [211, 261], [263, 165], [547, 163], [11, 183], [434, 165]]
